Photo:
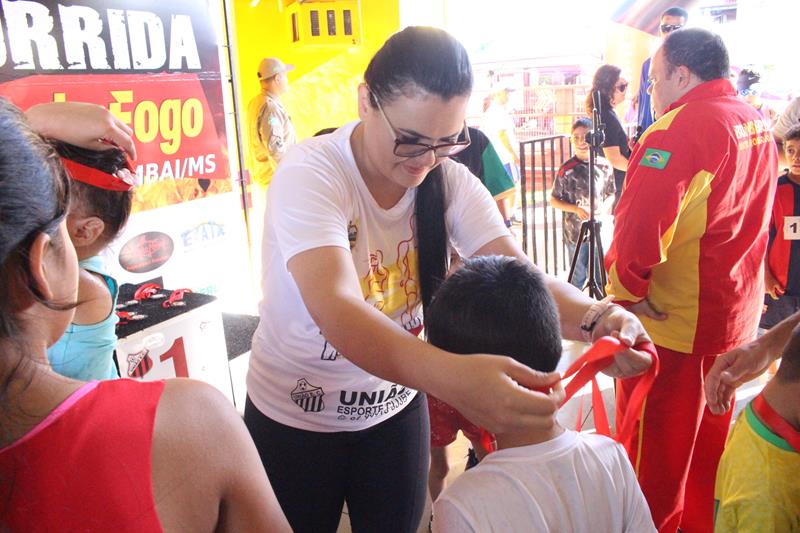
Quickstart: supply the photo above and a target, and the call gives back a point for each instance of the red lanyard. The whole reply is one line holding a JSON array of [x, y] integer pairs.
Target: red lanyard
[[599, 356], [776, 423]]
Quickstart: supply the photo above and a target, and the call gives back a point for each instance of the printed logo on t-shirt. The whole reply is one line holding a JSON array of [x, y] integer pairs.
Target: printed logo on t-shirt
[[361, 405], [139, 363], [329, 353], [390, 284], [308, 397]]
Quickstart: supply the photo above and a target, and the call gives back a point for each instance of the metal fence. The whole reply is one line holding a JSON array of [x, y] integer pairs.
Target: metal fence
[[542, 238]]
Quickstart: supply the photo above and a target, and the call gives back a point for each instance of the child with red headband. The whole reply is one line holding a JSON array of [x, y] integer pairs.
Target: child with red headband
[[550, 479], [101, 189]]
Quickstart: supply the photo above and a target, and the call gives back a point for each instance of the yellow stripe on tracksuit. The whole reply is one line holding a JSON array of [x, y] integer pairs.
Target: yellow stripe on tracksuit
[[675, 284]]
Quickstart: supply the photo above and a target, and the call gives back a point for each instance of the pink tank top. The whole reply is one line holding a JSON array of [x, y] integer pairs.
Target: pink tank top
[[86, 467]]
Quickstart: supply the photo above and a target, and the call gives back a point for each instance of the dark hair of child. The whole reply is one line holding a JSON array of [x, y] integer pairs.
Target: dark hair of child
[[582, 122], [792, 135], [497, 305], [112, 207]]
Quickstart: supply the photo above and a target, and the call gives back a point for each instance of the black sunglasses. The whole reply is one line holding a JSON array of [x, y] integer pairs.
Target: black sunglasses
[[666, 28], [412, 149]]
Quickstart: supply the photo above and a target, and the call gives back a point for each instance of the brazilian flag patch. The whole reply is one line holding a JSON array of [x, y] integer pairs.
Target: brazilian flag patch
[[655, 158]]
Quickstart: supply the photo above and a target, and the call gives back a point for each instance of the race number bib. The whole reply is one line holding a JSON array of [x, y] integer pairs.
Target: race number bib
[[791, 228]]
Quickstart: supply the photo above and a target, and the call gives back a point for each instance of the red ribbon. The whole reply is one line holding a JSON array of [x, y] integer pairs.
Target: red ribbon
[[98, 178], [585, 368], [776, 423], [598, 357]]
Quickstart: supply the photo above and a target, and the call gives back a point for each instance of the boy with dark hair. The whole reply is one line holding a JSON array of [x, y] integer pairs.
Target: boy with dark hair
[[571, 195], [758, 480], [782, 262], [541, 480]]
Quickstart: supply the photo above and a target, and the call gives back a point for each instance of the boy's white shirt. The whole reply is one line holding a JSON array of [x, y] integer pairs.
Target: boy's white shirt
[[576, 482]]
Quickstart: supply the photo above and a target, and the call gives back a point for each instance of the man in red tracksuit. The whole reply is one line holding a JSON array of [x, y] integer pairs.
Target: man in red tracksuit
[[689, 241]]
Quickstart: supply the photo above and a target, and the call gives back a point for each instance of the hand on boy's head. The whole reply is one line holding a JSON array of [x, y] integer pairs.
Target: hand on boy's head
[[493, 392], [86, 125], [622, 324]]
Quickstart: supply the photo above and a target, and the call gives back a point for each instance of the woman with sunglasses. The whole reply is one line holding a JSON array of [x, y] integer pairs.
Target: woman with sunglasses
[[612, 87], [358, 232]]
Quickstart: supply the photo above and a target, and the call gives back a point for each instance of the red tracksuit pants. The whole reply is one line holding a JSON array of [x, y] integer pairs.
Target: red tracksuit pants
[[678, 442]]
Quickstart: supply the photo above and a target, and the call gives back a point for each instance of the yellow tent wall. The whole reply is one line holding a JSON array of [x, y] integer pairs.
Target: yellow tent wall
[[322, 88]]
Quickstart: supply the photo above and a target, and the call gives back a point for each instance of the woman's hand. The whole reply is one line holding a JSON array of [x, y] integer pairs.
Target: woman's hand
[[495, 393], [86, 125], [625, 326]]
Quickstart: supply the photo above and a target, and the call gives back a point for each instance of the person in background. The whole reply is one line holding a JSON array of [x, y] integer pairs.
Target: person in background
[[481, 158], [748, 84], [117, 455], [782, 262], [499, 127], [269, 126], [612, 87], [674, 263], [672, 19], [537, 480], [571, 195], [758, 479], [788, 119], [100, 203]]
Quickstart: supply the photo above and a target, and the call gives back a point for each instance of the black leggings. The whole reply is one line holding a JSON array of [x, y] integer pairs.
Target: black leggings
[[381, 472]]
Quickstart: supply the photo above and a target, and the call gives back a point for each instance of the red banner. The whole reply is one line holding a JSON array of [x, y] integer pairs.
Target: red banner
[[155, 66]]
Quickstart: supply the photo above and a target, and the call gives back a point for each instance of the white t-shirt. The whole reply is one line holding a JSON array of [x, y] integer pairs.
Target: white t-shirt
[[577, 482], [788, 119], [496, 120], [318, 198]]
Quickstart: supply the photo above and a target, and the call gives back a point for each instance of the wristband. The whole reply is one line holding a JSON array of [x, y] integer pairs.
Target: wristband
[[593, 315]]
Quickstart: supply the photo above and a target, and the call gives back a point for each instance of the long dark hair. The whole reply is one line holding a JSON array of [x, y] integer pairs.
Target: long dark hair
[[34, 196], [433, 61], [605, 80], [112, 207]]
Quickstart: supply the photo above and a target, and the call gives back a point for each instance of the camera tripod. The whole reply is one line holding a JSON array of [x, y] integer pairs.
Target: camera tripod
[[590, 229]]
